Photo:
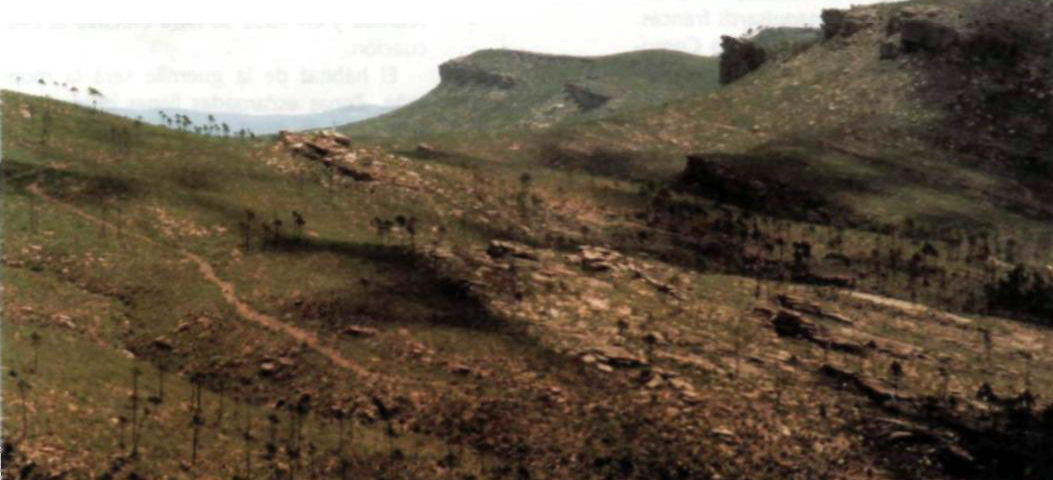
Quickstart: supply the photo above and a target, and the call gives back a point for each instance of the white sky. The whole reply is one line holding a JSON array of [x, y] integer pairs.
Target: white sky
[[381, 52]]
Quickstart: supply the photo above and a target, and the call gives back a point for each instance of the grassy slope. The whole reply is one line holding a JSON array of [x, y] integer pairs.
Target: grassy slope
[[634, 80], [173, 189]]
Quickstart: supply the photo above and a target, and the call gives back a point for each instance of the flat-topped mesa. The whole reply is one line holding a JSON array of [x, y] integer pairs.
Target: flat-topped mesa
[[496, 89], [460, 72]]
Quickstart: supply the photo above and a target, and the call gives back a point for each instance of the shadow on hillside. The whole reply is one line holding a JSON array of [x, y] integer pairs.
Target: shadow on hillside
[[89, 188], [409, 289], [602, 162]]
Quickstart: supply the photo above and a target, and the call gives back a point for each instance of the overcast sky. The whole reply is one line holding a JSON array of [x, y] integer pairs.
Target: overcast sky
[[380, 53]]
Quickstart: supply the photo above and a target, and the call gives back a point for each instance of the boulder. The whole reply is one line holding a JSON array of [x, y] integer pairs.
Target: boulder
[[268, 368], [359, 331], [426, 148], [615, 357], [340, 139], [162, 343]]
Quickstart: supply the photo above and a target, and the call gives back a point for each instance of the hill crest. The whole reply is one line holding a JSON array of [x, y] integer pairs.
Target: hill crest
[[492, 90]]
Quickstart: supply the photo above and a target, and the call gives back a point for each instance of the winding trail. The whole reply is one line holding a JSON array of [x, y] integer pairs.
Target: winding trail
[[229, 294]]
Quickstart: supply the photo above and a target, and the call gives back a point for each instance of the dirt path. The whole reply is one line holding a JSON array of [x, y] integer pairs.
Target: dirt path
[[229, 294], [916, 309]]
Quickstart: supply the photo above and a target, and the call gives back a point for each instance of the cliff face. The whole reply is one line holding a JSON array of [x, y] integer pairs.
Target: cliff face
[[460, 72]]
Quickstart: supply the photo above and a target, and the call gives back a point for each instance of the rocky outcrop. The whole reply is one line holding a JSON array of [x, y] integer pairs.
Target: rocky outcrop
[[739, 58], [870, 388], [459, 72], [920, 28], [845, 23], [329, 148], [585, 98], [787, 323]]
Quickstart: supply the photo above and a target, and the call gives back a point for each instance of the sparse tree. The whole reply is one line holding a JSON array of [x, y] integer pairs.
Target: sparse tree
[[35, 339], [299, 222], [277, 230], [246, 437], [162, 369], [23, 387], [895, 371], [95, 94], [136, 372], [271, 447], [411, 228], [219, 408], [197, 420]]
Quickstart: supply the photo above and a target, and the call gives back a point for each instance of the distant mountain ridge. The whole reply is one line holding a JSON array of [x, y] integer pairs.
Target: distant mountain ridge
[[262, 124], [505, 89]]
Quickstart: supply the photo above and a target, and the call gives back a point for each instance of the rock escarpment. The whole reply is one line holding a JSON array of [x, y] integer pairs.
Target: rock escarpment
[[460, 72]]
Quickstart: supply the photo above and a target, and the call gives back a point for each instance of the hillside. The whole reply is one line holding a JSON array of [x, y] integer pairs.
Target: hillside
[[790, 278], [494, 90], [865, 133], [167, 313]]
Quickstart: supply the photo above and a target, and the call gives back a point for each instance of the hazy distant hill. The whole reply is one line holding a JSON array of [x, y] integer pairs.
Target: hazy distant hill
[[503, 89], [262, 124]]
